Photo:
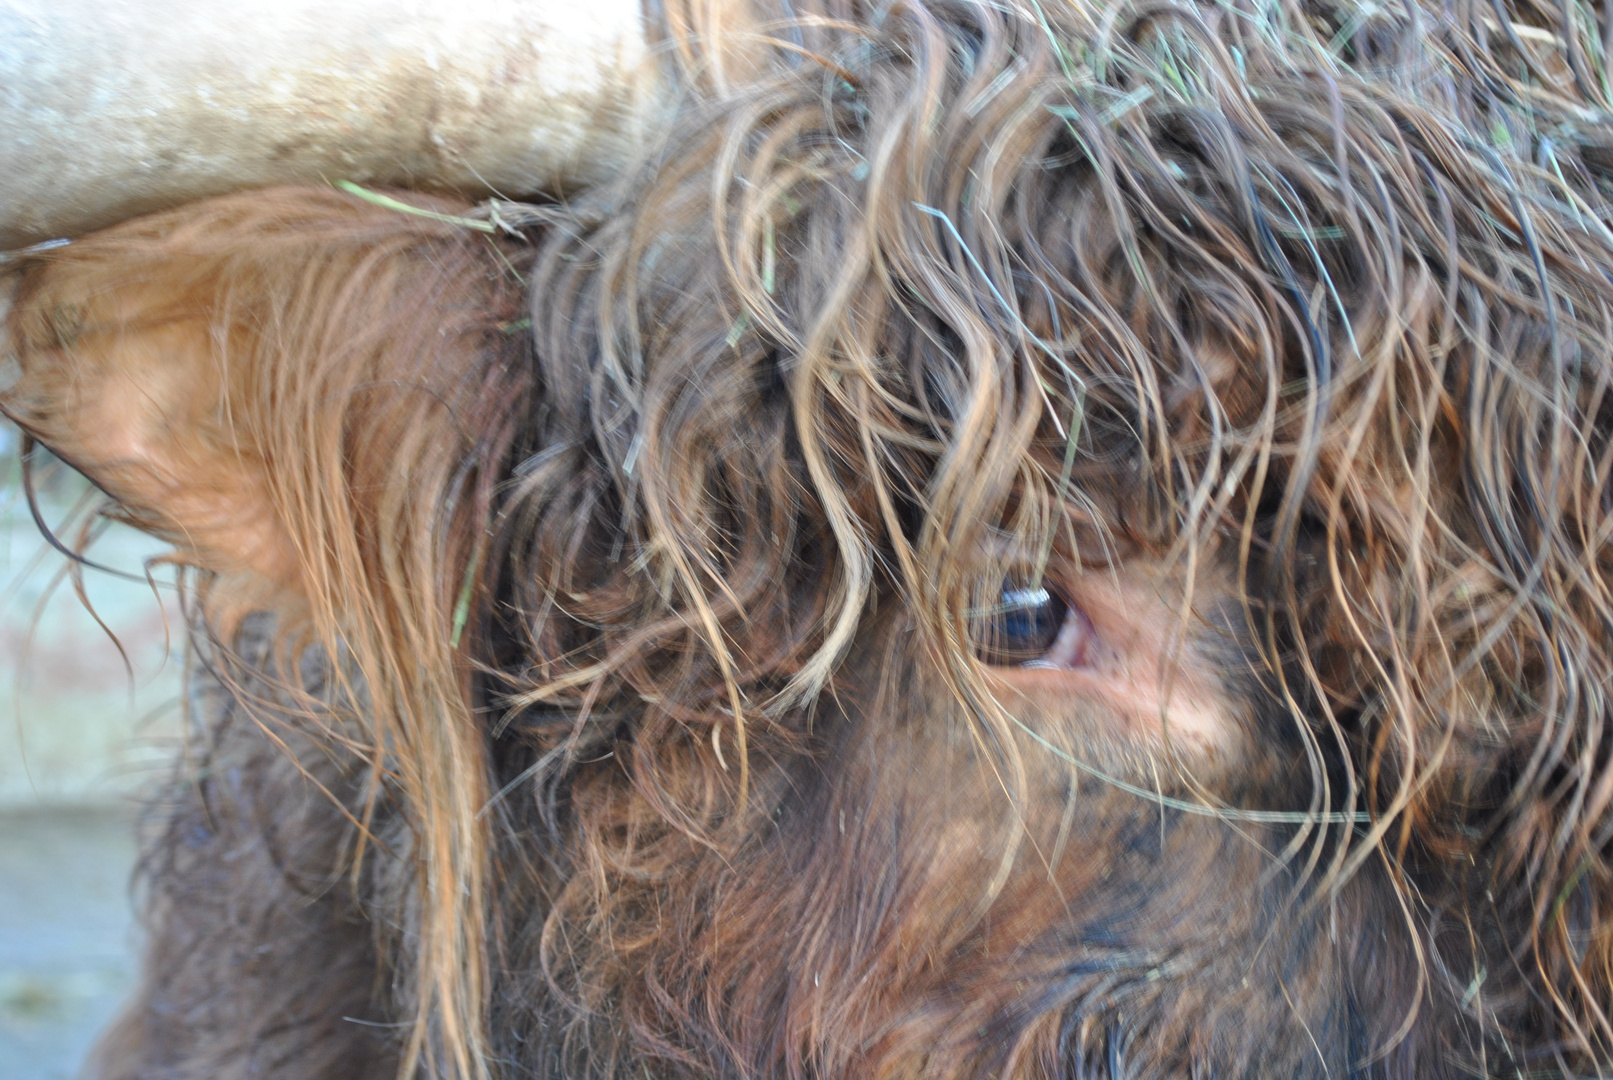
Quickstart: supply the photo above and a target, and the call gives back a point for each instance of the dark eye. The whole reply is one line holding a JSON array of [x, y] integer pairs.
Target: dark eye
[[1022, 627]]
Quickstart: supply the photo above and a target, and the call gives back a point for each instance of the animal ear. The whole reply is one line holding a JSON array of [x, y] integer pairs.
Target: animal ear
[[254, 377], [122, 371]]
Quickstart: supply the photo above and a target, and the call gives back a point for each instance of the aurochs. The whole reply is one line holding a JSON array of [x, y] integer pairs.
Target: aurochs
[[1019, 540]]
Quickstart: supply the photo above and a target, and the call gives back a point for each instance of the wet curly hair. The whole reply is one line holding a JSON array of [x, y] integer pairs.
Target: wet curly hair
[[626, 601]]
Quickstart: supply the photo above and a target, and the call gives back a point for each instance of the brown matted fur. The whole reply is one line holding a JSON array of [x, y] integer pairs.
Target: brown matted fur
[[637, 639]]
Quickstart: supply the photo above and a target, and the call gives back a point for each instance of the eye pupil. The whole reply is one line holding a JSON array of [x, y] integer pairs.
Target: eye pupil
[[1023, 626]]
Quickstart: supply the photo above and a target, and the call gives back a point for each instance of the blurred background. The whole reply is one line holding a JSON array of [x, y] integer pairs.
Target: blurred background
[[82, 733]]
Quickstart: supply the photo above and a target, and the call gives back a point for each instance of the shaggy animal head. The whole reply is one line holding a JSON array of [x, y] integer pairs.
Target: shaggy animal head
[[1020, 540]]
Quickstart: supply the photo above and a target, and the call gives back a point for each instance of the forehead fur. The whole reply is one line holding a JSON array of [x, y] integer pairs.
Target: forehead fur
[[1204, 282]]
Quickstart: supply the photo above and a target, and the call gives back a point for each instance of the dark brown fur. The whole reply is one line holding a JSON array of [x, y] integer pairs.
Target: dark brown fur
[[640, 726]]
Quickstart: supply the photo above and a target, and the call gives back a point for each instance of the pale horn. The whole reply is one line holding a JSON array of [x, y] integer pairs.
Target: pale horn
[[112, 108]]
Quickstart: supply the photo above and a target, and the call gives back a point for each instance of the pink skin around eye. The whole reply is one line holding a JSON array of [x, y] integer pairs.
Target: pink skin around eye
[[1120, 667], [1069, 649]]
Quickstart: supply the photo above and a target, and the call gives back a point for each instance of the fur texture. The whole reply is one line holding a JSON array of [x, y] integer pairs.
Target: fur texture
[[629, 702]]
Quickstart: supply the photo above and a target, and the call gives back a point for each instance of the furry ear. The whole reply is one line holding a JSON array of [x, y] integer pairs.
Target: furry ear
[[127, 379], [224, 370], [319, 394]]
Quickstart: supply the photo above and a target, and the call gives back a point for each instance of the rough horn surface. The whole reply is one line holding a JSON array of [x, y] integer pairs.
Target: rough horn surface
[[112, 108]]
